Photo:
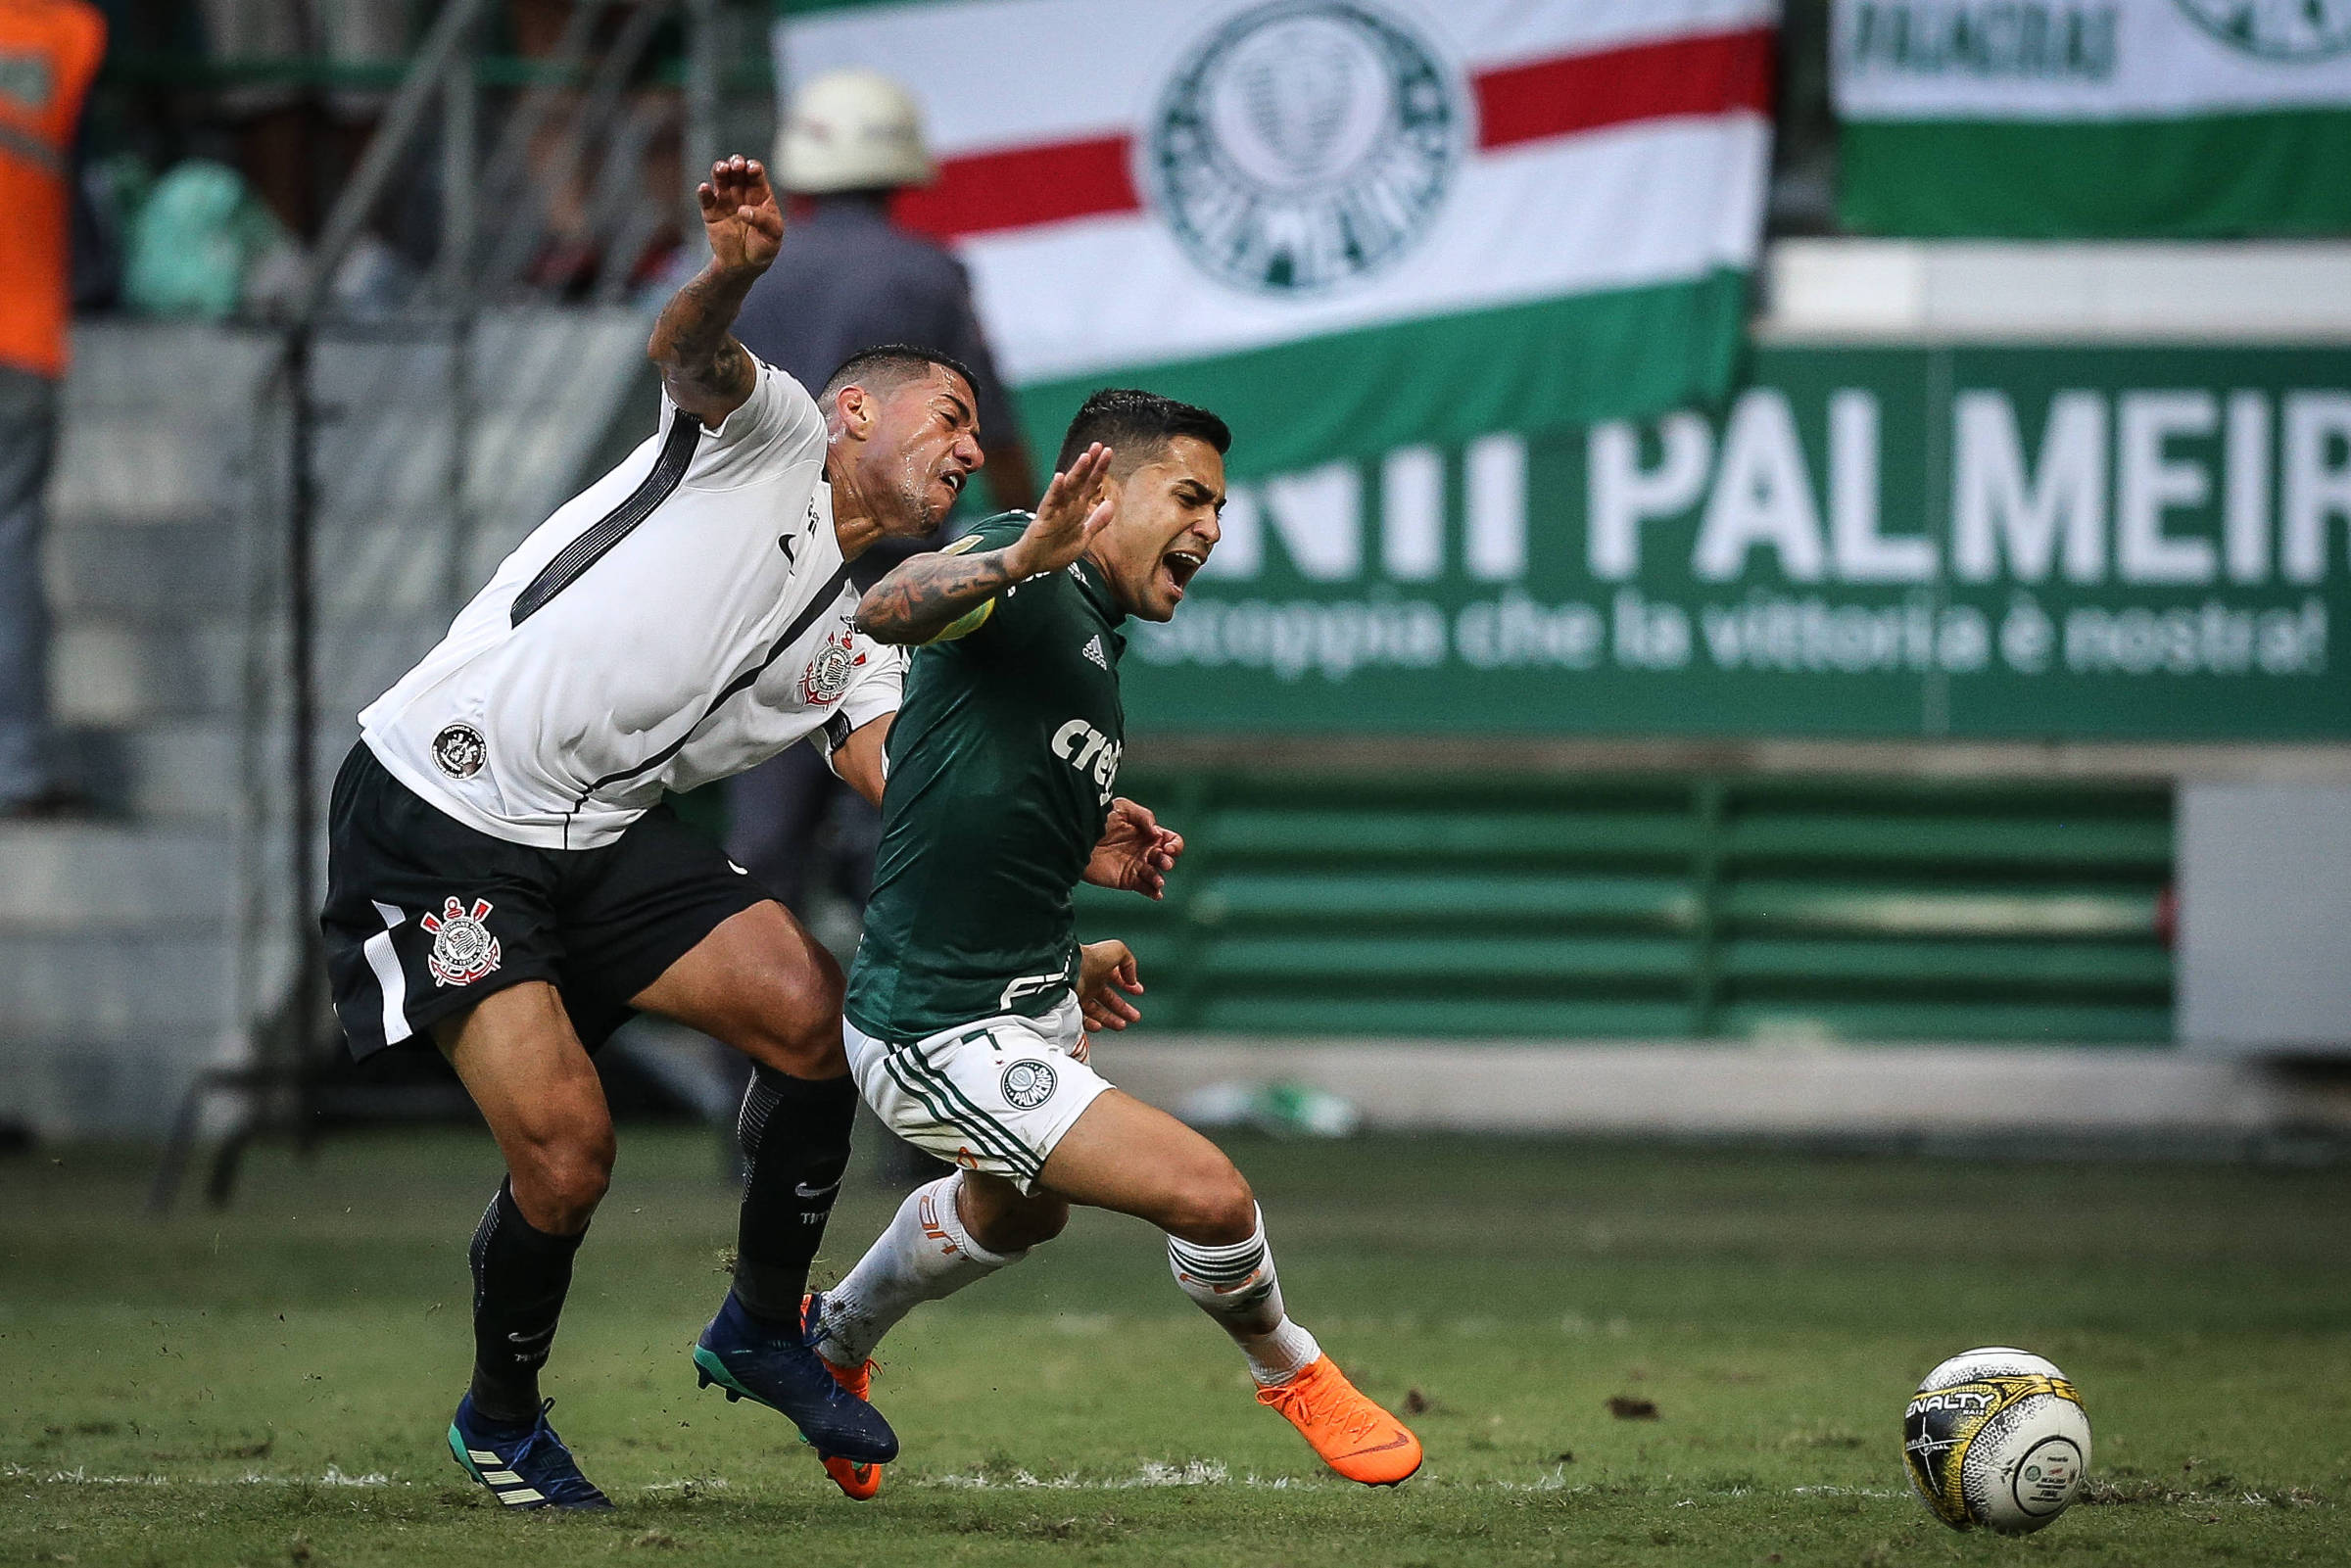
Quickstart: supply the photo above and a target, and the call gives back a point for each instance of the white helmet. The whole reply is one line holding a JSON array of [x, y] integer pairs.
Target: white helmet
[[852, 129]]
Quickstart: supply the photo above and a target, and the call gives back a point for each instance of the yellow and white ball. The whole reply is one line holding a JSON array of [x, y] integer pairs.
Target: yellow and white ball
[[1998, 1439]]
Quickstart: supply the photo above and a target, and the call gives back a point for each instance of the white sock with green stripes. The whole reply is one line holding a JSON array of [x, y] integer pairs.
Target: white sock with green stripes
[[924, 1255], [1235, 1284]]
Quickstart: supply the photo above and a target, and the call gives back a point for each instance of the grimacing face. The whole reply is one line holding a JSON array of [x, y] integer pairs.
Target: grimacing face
[[1163, 528], [921, 449]]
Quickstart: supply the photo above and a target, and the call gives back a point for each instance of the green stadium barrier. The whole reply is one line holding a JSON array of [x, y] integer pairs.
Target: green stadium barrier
[[1658, 907]]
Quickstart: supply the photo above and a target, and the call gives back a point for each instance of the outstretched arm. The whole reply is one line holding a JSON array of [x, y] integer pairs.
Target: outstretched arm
[[706, 372], [924, 597]]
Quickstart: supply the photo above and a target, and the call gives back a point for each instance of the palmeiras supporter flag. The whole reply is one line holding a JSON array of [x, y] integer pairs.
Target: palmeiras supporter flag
[[2046, 118], [1344, 224]]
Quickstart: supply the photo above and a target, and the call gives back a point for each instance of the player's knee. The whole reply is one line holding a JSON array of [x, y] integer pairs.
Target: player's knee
[[1024, 1225], [1016, 1225], [1216, 1207], [796, 1028], [559, 1179], [576, 1186], [1030, 1225]]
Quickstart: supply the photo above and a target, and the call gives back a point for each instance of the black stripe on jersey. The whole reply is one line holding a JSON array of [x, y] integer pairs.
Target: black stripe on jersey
[[826, 598], [584, 551]]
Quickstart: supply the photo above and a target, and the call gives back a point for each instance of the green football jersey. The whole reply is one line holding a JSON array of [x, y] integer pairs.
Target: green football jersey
[[1003, 762]]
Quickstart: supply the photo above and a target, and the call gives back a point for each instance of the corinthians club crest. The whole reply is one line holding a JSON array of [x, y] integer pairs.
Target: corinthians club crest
[[1306, 143], [827, 673], [463, 950], [459, 750]]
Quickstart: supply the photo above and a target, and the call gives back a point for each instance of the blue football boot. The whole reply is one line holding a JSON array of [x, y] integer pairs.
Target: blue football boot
[[527, 1469], [750, 1361]]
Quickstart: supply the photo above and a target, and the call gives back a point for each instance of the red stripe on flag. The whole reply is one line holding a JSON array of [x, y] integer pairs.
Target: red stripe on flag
[[1711, 73], [1023, 186]]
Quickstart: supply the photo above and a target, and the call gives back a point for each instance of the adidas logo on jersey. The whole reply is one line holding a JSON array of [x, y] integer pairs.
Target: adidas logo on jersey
[[1093, 650]]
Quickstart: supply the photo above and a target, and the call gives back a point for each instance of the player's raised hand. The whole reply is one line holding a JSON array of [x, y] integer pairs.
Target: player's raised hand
[[1134, 853], [740, 213], [1067, 519], [1104, 969]]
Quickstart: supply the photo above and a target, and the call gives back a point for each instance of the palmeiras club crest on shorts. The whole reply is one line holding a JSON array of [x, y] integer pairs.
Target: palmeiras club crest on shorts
[[1304, 144], [459, 750], [827, 673], [1028, 1084], [463, 950]]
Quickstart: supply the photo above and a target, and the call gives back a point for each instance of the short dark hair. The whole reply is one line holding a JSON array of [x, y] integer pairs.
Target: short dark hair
[[889, 365], [1136, 425]]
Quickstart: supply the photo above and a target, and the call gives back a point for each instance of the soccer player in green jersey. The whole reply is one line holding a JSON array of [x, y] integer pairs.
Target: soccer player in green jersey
[[969, 998]]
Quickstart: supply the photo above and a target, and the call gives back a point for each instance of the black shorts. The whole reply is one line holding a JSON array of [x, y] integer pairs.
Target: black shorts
[[425, 916]]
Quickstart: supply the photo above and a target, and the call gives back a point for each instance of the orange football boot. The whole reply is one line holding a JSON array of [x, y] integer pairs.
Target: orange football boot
[[858, 1480], [1354, 1436]]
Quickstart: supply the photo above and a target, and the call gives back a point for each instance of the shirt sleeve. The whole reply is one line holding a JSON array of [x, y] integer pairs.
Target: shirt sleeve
[[875, 690], [877, 686], [993, 534], [775, 430]]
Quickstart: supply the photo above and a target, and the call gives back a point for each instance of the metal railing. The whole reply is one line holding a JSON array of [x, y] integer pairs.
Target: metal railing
[[359, 400]]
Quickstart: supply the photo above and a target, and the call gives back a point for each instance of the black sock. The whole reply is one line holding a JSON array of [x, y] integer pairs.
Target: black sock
[[795, 1147], [520, 1274]]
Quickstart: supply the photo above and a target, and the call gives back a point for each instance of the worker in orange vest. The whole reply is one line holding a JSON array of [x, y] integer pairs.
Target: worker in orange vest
[[49, 50]]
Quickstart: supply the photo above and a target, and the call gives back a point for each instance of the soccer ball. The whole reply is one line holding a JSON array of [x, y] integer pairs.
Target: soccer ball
[[1996, 1438]]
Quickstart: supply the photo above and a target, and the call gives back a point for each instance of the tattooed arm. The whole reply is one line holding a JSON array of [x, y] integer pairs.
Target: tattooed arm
[[704, 371], [924, 597]]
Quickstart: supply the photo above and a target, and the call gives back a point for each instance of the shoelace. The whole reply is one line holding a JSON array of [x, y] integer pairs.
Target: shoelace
[[830, 1391], [541, 1436], [1330, 1411]]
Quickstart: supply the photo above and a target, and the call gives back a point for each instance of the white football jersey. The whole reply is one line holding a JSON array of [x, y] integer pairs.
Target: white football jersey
[[684, 618]]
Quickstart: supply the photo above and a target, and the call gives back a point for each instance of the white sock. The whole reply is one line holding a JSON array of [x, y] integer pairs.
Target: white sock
[[1235, 1284], [924, 1255]]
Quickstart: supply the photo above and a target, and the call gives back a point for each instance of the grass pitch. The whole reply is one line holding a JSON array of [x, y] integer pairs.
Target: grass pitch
[[270, 1385]]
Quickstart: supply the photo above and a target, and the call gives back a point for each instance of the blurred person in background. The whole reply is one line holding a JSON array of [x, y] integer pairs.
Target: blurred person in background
[[291, 152], [846, 279], [49, 51], [645, 128]]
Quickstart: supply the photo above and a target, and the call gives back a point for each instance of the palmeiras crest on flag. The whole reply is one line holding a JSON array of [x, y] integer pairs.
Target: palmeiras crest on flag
[[827, 673], [463, 950], [1306, 143]]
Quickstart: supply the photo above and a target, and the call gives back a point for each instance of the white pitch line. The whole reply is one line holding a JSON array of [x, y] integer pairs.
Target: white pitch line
[[80, 1477], [1151, 1476]]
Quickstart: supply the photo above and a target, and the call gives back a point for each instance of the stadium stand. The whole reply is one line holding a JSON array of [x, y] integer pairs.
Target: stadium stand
[[1708, 906]]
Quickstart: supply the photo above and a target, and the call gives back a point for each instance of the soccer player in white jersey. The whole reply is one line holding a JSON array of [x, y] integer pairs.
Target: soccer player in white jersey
[[505, 884]]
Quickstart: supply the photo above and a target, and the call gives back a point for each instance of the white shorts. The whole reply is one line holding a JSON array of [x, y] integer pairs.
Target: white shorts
[[994, 1095]]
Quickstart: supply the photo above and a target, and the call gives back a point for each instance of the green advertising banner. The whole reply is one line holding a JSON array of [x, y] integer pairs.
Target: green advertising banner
[[2046, 541]]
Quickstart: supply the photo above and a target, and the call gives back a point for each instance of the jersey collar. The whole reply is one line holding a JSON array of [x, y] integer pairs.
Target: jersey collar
[[1096, 589]]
